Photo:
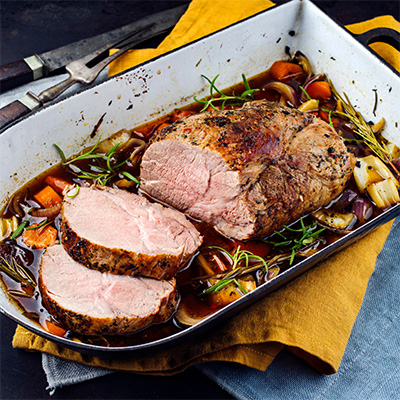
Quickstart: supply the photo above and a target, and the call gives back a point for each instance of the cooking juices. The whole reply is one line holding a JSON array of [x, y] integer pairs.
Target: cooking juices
[[224, 269]]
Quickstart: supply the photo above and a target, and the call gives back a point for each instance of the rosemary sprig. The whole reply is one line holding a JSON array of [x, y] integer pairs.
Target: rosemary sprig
[[129, 176], [41, 225], [101, 175], [77, 189], [16, 272], [19, 230], [221, 284], [240, 255], [18, 293], [224, 98], [297, 238], [363, 129]]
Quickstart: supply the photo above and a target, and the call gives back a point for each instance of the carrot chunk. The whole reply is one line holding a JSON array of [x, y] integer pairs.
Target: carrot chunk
[[162, 126], [40, 237], [58, 184], [319, 90], [55, 329], [284, 70], [47, 197], [178, 114]]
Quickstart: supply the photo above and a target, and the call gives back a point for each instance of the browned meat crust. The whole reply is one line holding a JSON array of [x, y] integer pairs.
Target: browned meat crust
[[288, 163], [89, 325], [118, 261]]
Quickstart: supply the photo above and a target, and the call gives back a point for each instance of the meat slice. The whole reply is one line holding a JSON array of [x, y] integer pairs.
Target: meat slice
[[122, 233], [247, 171], [93, 302]]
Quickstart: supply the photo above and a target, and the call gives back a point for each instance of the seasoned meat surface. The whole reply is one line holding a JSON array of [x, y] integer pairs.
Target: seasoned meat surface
[[122, 233], [96, 303], [247, 171]]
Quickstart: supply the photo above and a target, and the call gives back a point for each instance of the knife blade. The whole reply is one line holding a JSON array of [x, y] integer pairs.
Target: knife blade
[[38, 66]]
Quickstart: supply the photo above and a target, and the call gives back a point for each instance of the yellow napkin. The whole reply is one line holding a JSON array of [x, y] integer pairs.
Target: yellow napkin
[[312, 315], [201, 18]]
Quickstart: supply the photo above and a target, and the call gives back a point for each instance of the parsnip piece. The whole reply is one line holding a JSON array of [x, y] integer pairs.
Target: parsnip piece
[[384, 193], [334, 219], [7, 227], [393, 150], [369, 170], [107, 144], [310, 105]]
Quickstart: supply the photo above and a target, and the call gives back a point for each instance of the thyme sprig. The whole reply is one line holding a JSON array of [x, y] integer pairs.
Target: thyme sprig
[[240, 265], [217, 95], [223, 283], [297, 239], [16, 272], [98, 173]]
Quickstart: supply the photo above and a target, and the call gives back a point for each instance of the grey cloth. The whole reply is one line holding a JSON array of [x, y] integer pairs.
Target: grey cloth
[[61, 372]]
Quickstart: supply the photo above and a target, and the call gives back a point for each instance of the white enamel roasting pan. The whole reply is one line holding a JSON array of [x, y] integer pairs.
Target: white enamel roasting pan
[[170, 81]]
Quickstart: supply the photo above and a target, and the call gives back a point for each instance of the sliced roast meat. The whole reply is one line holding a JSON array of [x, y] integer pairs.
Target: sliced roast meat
[[247, 171], [122, 233], [93, 302]]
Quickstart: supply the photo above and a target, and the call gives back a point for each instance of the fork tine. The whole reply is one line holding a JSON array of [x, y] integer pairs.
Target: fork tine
[[97, 53], [86, 69], [96, 69]]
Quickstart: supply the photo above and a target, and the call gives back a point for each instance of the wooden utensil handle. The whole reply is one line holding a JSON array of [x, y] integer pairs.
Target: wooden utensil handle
[[20, 72], [14, 74], [11, 112]]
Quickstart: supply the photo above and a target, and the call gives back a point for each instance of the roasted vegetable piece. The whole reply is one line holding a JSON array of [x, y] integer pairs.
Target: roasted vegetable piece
[[55, 329], [309, 106], [319, 90], [232, 291], [370, 170], [178, 114], [334, 220], [39, 237], [58, 184], [384, 193], [284, 70], [47, 197], [8, 226]]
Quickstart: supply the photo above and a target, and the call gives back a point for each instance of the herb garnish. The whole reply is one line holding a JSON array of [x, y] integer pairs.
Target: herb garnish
[[98, 173], [77, 189], [239, 258], [19, 230], [363, 129], [297, 238], [16, 271], [225, 99]]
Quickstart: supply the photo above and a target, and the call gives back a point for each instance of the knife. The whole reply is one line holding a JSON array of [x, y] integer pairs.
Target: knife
[[40, 65]]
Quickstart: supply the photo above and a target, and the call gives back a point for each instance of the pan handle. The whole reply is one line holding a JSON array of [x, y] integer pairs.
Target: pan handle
[[385, 35]]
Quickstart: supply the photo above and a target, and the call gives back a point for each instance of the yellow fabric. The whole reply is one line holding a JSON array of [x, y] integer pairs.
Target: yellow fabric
[[384, 50], [201, 18], [312, 315]]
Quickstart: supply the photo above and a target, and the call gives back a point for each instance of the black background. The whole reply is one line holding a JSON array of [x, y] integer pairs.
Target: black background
[[29, 27]]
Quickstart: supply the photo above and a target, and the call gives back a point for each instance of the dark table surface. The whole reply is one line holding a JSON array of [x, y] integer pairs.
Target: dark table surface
[[29, 27]]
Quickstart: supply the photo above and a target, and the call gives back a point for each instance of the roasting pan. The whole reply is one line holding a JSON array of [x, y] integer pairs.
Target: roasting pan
[[160, 85]]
